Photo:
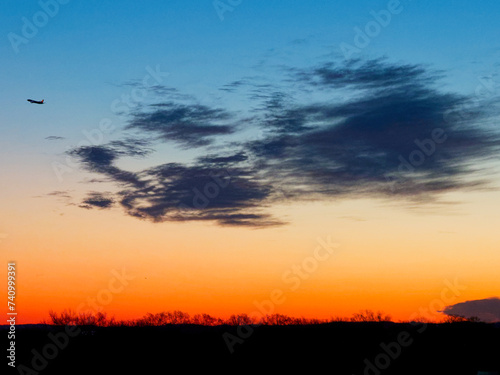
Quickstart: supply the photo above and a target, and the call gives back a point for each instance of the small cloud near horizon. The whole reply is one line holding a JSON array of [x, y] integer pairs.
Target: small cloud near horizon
[[487, 310]]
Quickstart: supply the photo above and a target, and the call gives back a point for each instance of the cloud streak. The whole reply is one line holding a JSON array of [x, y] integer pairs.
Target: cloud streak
[[97, 200], [187, 125], [374, 129]]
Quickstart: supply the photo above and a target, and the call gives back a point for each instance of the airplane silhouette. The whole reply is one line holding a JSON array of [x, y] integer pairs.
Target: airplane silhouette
[[35, 101]]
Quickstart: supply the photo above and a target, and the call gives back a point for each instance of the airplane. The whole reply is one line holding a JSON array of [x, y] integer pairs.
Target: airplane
[[35, 101]]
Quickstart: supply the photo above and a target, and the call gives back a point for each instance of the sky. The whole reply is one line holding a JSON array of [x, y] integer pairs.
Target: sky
[[306, 158]]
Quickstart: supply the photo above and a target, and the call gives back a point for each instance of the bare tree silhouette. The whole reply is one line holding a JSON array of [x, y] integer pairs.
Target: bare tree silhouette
[[177, 317]]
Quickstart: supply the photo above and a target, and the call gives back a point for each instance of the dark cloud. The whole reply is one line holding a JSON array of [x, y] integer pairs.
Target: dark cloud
[[487, 310], [169, 93], [365, 75], [217, 159], [60, 193], [95, 158], [99, 200], [392, 136], [188, 125], [145, 91], [212, 189], [64, 196], [54, 138], [229, 196], [233, 86], [131, 147], [101, 159], [372, 129]]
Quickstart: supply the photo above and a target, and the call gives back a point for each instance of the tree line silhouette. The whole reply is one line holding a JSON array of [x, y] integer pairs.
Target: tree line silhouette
[[101, 319]]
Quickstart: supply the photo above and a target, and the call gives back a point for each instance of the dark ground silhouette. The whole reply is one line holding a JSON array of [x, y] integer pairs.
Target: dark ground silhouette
[[330, 348]]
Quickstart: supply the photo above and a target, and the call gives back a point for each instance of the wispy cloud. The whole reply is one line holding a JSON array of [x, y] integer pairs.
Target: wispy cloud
[[98, 200], [363, 127], [393, 119], [101, 159], [54, 138], [208, 191], [60, 193], [187, 125]]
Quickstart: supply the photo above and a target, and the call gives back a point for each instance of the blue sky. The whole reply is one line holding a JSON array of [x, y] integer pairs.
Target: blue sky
[[83, 58], [98, 42], [103, 42], [87, 55]]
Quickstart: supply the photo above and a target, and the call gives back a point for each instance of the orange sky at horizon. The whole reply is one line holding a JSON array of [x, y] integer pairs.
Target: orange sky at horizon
[[388, 258]]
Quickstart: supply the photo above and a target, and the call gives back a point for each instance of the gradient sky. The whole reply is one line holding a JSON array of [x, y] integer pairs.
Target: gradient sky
[[146, 102]]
